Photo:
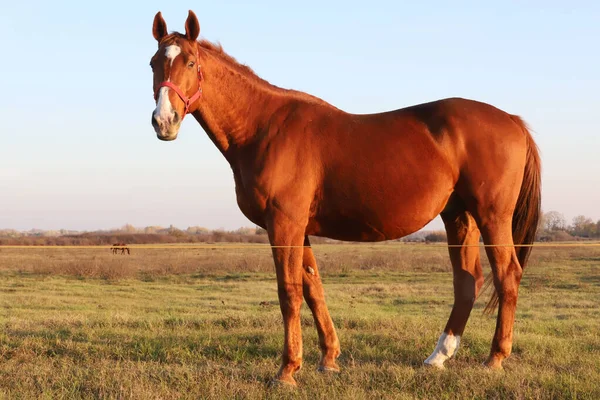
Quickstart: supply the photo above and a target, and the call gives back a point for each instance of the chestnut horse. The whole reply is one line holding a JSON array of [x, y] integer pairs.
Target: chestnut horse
[[120, 246], [303, 167]]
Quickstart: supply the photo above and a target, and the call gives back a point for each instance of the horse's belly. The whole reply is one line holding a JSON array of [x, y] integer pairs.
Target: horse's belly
[[357, 228], [378, 219]]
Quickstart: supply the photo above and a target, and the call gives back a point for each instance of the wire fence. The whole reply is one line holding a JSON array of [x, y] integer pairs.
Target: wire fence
[[233, 246]]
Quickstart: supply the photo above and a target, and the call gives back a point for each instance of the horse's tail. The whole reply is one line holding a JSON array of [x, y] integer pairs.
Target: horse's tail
[[527, 211]]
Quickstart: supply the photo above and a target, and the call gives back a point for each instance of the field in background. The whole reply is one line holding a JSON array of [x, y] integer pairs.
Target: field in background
[[203, 323]]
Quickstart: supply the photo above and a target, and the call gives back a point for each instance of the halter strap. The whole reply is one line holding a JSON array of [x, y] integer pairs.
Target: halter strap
[[188, 101]]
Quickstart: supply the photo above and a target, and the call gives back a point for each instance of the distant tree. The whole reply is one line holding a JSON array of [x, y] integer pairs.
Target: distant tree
[[11, 233], [153, 229], [173, 231], [554, 221], [245, 231], [583, 226], [436, 236], [418, 236], [128, 228], [197, 230], [261, 231]]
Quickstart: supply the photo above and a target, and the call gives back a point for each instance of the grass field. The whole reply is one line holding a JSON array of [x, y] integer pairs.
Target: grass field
[[196, 323]]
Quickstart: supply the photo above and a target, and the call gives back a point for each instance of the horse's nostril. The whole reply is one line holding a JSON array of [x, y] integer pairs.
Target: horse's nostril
[[175, 117], [154, 121]]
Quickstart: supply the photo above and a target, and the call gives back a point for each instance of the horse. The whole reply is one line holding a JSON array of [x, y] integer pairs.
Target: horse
[[120, 246], [303, 167], [114, 248]]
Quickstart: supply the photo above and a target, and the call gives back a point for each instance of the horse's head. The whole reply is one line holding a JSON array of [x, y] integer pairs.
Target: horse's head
[[177, 75]]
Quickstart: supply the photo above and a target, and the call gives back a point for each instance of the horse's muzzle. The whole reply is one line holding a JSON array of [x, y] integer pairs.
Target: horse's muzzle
[[166, 130]]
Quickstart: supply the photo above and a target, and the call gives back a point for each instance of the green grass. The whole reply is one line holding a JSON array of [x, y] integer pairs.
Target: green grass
[[160, 325]]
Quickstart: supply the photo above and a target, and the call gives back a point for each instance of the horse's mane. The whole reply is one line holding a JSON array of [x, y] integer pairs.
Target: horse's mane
[[217, 49]]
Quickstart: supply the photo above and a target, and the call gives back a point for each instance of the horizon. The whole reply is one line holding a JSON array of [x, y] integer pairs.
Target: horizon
[[92, 162], [428, 227]]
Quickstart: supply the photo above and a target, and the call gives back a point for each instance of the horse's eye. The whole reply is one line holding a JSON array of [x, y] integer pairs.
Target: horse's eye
[[191, 64]]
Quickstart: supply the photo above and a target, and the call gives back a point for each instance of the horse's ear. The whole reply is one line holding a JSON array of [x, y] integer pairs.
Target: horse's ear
[[159, 27], [192, 26]]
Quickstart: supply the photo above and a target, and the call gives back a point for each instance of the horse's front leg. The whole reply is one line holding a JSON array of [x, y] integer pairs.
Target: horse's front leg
[[287, 238], [315, 298]]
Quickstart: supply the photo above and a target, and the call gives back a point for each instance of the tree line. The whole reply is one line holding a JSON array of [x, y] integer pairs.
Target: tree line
[[131, 235], [553, 226]]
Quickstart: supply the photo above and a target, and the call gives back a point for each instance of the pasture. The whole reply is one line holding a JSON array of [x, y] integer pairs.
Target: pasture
[[205, 323]]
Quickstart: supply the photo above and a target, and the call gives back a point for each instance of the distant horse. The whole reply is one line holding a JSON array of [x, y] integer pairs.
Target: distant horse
[[120, 246], [303, 167]]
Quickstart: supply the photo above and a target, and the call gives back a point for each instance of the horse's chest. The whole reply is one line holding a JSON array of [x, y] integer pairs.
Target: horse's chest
[[250, 202]]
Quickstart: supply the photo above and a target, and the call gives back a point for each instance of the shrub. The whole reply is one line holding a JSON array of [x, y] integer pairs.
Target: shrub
[[436, 236]]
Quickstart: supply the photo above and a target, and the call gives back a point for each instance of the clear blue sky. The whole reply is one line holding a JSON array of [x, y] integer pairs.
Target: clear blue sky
[[78, 150]]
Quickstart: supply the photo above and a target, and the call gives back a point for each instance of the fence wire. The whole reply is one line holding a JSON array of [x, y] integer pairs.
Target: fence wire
[[227, 246]]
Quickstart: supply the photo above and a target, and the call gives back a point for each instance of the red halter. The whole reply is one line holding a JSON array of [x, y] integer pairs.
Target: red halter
[[188, 101]]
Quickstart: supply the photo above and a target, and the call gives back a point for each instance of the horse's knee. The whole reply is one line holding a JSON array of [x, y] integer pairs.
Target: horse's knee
[[508, 287], [290, 297]]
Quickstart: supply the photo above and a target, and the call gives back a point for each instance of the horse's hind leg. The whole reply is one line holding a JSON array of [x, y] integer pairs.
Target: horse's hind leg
[[315, 298], [468, 278], [507, 277]]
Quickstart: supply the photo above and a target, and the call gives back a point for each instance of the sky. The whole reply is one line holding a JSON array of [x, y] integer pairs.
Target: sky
[[78, 151]]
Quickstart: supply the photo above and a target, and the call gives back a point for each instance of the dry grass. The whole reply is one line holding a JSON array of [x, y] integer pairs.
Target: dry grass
[[82, 323], [149, 263]]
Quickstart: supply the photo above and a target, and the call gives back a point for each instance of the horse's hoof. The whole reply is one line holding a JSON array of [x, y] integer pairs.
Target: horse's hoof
[[283, 383], [325, 370], [493, 364], [492, 367], [436, 365]]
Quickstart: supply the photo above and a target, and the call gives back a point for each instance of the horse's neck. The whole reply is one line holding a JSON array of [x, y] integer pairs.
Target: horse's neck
[[234, 105]]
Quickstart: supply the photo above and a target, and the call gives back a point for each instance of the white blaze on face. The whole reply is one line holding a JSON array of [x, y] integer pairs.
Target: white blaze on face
[[164, 109], [446, 347], [172, 52]]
